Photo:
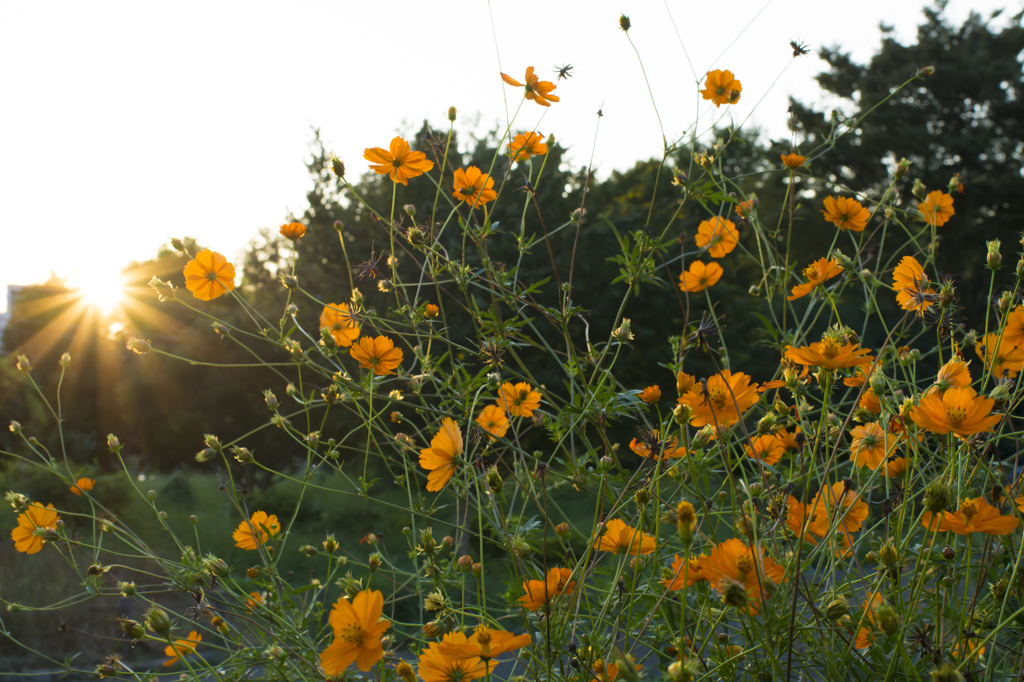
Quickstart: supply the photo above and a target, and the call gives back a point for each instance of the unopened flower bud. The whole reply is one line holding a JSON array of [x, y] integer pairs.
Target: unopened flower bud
[[243, 455], [452, 111], [113, 444], [375, 561], [562, 530], [994, 259], [1000, 394], [888, 555], [682, 414], [432, 629], [253, 572], [704, 436], [337, 166], [494, 481], [902, 166], [465, 563], [140, 346], [289, 280], [23, 364], [735, 595], [477, 569], [215, 566], [65, 360], [427, 542], [837, 608], [330, 544], [624, 22], [158, 621], [270, 399], [205, 455], [15, 427], [872, 557], [308, 550], [937, 496], [887, 619], [435, 601], [927, 70]]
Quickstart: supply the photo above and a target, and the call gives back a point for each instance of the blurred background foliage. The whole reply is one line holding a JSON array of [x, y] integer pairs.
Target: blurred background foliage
[[966, 119]]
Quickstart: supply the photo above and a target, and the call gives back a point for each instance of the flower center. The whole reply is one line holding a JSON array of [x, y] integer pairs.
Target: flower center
[[354, 634], [829, 348], [955, 414], [969, 509], [717, 395]]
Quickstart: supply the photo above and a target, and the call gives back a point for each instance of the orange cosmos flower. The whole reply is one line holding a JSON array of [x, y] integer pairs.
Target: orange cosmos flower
[[792, 160], [789, 440], [82, 485], [937, 208], [870, 402], [358, 627], [685, 574], [734, 561], [816, 273], [766, 448], [864, 636], [896, 467], [431, 311], [182, 647], [526, 145], [435, 666], [846, 214], [953, 373], [870, 445], [718, 236], [536, 90], [973, 516], [35, 517], [1007, 358], [908, 279], [721, 87], [729, 396], [830, 354], [684, 382], [379, 355], [255, 601], [958, 410], [1014, 330], [401, 163], [622, 539], [485, 644], [668, 448], [292, 231], [837, 507], [744, 208], [338, 318], [699, 277], [473, 186], [439, 458], [492, 419], [797, 517], [256, 531], [519, 400], [209, 275], [540, 592], [651, 395]]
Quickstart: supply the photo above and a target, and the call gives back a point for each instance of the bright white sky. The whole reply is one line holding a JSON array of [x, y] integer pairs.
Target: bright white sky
[[126, 123]]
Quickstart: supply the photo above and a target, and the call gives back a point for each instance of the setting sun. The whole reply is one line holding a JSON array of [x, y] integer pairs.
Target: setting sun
[[100, 289]]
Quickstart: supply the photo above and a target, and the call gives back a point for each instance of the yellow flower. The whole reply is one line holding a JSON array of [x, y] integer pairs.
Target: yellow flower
[[870, 444], [651, 395], [718, 236], [35, 517], [209, 275], [792, 160], [536, 90], [526, 145], [729, 395], [401, 163], [435, 666], [973, 516], [485, 644], [684, 382], [1007, 358], [540, 592], [846, 214], [83, 485], [492, 419], [733, 560], [816, 273], [830, 354], [908, 280], [338, 318], [766, 448], [623, 539], [959, 410], [700, 276], [256, 531], [292, 231], [358, 627], [439, 458], [379, 355], [953, 373], [473, 186], [685, 574], [721, 87], [937, 208], [182, 647], [519, 400]]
